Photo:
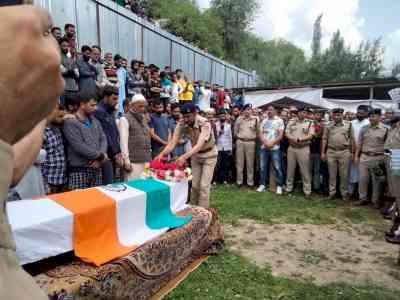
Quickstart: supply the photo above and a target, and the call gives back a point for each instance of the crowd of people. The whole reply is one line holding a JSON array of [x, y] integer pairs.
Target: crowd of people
[[113, 120], [138, 7]]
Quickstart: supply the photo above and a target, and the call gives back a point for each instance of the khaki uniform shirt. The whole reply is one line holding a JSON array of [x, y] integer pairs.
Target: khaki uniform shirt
[[372, 139], [297, 129], [200, 131], [338, 136], [15, 284], [246, 128], [393, 138]]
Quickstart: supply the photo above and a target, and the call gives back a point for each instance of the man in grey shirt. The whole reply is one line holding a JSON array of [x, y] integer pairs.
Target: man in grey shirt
[[87, 145], [87, 72]]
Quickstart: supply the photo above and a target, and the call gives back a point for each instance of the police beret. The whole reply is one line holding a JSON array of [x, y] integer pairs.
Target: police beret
[[301, 108], [375, 111], [188, 108], [364, 108], [337, 110], [222, 111]]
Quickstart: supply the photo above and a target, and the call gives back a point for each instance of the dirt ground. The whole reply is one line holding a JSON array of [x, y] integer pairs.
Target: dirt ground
[[321, 253]]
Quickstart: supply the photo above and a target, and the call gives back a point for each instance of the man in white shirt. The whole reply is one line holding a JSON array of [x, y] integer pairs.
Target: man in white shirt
[[224, 145], [356, 125], [271, 134], [205, 97]]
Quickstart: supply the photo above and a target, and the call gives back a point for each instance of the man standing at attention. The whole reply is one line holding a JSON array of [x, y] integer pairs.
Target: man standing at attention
[[135, 138], [175, 118], [105, 114], [87, 145], [271, 134], [203, 153], [245, 133], [356, 125], [159, 128], [299, 133], [337, 149], [122, 76], [371, 157], [224, 144], [393, 144]]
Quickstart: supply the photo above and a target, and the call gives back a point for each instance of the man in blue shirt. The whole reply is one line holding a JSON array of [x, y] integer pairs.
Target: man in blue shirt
[[159, 128], [122, 75], [175, 118]]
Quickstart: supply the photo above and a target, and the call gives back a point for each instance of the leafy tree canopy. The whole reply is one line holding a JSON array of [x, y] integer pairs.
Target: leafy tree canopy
[[225, 31]]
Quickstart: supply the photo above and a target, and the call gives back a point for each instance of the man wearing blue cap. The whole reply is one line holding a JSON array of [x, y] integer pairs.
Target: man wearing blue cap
[[203, 153]]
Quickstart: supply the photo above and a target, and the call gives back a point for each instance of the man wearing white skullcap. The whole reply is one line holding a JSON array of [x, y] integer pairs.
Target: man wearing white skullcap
[[135, 138]]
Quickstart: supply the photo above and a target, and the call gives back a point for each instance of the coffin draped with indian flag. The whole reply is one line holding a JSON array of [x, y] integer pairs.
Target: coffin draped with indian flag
[[98, 224]]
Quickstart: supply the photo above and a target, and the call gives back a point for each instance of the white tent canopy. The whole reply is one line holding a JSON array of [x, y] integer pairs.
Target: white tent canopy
[[312, 96]]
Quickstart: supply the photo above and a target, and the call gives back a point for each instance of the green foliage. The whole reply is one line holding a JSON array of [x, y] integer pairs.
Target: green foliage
[[224, 31], [236, 17], [184, 19], [317, 36], [340, 63], [396, 69]]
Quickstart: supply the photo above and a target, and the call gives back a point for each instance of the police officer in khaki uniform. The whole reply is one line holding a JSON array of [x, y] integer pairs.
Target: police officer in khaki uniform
[[203, 154], [371, 156], [37, 96], [337, 149], [299, 133], [393, 143], [245, 133]]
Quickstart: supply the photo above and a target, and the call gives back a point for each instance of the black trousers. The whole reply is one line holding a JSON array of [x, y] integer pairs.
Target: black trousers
[[224, 166]]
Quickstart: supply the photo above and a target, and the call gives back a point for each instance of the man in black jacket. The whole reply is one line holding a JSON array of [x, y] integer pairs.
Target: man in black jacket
[[105, 113]]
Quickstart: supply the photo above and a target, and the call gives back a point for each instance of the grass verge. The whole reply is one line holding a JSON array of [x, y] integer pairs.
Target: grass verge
[[230, 276]]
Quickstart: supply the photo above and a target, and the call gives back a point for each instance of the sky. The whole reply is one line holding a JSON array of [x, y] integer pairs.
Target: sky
[[357, 20]]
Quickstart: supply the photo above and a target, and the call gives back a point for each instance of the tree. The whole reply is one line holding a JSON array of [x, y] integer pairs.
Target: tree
[[396, 69], [277, 62], [236, 17], [317, 35], [183, 18], [340, 63]]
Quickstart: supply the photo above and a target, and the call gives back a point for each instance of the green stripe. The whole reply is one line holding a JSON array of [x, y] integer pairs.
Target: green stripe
[[158, 205]]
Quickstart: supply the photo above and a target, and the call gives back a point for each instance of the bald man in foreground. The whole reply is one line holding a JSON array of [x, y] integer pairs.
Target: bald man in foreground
[[30, 84]]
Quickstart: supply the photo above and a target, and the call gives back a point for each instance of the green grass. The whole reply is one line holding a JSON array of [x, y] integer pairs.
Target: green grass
[[234, 203], [312, 257], [230, 276]]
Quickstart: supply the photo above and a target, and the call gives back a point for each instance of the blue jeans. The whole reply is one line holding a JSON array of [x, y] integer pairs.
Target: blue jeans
[[266, 156]]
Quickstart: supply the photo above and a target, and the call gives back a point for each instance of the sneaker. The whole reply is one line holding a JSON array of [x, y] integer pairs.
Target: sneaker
[[261, 188], [393, 240], [279, 190]]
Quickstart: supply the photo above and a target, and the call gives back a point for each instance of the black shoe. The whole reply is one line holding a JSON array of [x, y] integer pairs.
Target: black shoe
[[362, 203], [393, 240]]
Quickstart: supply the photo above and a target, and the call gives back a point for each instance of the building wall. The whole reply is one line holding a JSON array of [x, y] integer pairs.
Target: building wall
[[117, 30]]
